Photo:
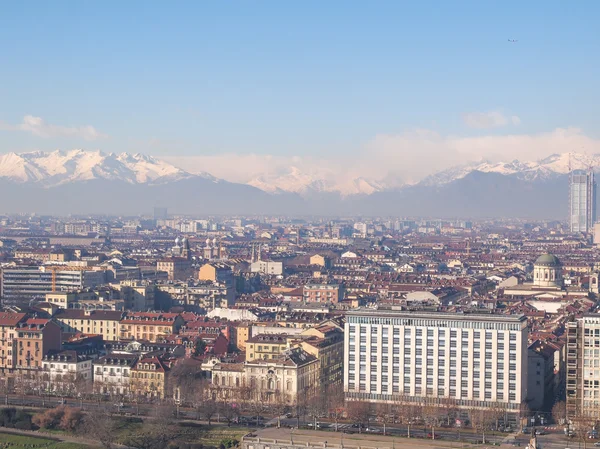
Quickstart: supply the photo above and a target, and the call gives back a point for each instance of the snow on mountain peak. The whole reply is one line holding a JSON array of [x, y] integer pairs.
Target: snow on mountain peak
[[60, 167], [550, 166]]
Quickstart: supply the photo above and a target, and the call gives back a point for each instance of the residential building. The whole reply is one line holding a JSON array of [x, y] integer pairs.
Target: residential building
[[583, 366], [106, 323], [67, 372], [177, 268], [326, 343], [149, 377], [216, 272], [266, 346], [472, 359], [149, 325], [8, 351], [329, 293], [112, 373], [267, 267], [34, 338]]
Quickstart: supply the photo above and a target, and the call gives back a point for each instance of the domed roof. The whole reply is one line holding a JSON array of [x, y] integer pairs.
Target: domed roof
[[548, 260]]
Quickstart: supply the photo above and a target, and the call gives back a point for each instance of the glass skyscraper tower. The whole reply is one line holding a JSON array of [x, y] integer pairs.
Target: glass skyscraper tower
[[582, 201]]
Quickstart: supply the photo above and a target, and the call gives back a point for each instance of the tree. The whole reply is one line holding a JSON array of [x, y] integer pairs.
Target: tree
[[450, 408], [359, 411], [229, 411], [199, 347], [384, 414], [71, 419], [480, 420], [431, 414], [155, 434], [336, 399], [559, 412], [524, 412], [100, 426], [259, 405], [316, 407], [279, 405]]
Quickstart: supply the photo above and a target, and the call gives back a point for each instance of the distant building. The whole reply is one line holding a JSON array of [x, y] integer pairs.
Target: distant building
[[329, 293], [160, 213], [582, 201], [33, 282]]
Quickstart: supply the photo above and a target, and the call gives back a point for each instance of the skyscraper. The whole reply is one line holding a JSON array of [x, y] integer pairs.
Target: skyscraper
[[582, 201]]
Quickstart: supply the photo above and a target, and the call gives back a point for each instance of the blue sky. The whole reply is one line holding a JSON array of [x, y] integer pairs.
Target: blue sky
[[315, 80]]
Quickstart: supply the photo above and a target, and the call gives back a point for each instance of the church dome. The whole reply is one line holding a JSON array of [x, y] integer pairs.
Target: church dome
[[547, 260]]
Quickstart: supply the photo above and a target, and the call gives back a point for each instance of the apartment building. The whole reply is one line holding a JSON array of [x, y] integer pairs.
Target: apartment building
[[476, 360], [329, 293], [34, 338], [8, 353], [177, 268], [149, 378], [583, 367], [326, 343], [98, 322], [266, 346], [67, 371], [150, 326], [112, 373]]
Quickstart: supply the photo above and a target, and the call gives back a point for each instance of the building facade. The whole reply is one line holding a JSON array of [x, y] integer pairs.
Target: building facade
[[582, 201], [583, 367], [475, 360]]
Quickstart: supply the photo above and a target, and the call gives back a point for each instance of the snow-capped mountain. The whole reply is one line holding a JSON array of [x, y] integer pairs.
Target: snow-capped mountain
[[62, 167], [547, 168], [294, 180]]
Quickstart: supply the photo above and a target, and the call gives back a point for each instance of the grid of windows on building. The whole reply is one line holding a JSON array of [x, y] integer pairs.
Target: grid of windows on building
[[476, 360]]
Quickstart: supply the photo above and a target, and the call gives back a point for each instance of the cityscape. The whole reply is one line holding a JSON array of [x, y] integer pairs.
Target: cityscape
[[299, 225]]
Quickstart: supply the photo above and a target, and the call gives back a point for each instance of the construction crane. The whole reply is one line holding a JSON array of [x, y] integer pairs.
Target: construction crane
[[55, 268]]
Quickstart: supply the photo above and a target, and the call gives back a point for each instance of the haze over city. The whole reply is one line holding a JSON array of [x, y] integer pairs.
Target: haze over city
[[299, 225]]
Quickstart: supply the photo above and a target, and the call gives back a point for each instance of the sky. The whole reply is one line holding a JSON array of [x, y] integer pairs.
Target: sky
[[384, 90]]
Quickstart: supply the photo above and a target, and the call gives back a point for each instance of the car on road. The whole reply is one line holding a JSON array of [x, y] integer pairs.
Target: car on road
[[597, 444], [315, 425], [372, 430], [541, 432]]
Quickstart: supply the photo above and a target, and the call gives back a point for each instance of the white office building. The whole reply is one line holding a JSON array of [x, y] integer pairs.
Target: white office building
[[476, 360]]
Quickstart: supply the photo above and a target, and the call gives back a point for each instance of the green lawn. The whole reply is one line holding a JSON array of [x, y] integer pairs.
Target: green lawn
[[18, 441]]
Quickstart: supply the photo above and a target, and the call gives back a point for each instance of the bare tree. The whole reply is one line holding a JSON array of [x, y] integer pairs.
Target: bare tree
[[559, 412], [359, 411], [99, 425], [384, 414], [336, 403], [524, 412], [316, 406], [279, 405], [480, 420], [431, 414], [259, 405], [450, 408]]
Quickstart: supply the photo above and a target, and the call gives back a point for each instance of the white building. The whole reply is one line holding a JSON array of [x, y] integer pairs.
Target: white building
[[267, 267], [475, 360], [65, 372], [112, 374]]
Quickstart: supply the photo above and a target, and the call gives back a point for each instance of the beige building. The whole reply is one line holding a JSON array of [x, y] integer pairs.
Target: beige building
[[150, 326], [326, 343], [285, 377], [98, 322], [177, 268], [266, 346], [8, 353], [149, 377]]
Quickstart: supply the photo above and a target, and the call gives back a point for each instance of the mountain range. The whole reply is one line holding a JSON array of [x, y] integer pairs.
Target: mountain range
[[78, 181]]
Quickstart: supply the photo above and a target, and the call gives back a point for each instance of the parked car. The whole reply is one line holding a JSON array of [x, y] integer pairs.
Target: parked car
[[541, 432]]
